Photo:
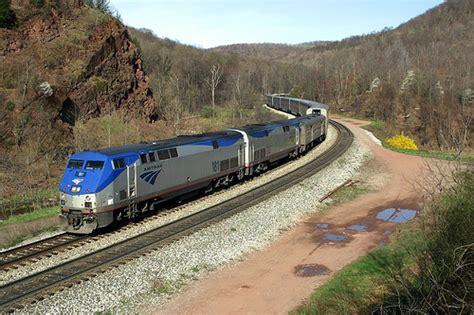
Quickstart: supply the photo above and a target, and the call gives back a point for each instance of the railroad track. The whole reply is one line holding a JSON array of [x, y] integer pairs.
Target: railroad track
[[21, 256], [38, 286], [30, 253]]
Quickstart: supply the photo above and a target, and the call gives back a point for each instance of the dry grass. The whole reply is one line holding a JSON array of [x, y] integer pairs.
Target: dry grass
[[13, 234]]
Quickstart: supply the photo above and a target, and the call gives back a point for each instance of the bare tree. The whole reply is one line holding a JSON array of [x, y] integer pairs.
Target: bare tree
[[238, 97], [213, 81], [25, 83]]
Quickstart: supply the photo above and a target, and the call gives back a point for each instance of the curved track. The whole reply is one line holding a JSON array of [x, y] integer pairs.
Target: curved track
[[38, 286]]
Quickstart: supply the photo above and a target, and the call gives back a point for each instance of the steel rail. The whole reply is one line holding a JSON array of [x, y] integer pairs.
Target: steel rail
[[18, 256]]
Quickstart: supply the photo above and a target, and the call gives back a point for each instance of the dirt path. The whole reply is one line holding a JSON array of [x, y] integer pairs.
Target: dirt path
[[266, 281]]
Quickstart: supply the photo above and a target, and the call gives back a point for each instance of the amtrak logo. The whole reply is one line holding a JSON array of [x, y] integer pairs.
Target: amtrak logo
[[77, 181], [150, 177]]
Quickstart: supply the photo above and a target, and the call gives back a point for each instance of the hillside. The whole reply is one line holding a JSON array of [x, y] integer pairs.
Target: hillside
[[417, 77], [63, 63], [270, 51], [265, 50]]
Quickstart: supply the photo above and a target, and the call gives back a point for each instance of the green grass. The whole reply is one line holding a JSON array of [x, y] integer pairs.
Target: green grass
[[24, 201], [31, 216], [382, 132], [346, 194], [440, 155], [164, 289], [380, 129], [357, 286], [343, 114]]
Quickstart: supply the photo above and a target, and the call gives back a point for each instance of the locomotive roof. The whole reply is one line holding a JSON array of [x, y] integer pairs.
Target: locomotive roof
[[302, 101], [258, 127], [167, 143], [293, 121]]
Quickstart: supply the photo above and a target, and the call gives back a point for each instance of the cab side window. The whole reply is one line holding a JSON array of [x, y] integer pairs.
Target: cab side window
[[119, 163], [151, 155]]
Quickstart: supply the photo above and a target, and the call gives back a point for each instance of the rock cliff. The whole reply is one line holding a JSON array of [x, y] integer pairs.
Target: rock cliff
[[65, 62]]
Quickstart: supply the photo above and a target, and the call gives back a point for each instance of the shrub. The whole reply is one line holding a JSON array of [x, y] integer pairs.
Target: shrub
[[7, 16], [10, 106], [101, 5], [402, 142], [296, 91], [444, 279], [208, 112], [38, 3]]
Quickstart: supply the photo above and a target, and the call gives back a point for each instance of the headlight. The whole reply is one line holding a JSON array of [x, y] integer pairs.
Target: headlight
[[88, 198], [62, 196], [76, 189]]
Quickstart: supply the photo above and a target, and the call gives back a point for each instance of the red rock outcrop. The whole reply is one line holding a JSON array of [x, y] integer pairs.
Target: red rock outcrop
[[86, 56]]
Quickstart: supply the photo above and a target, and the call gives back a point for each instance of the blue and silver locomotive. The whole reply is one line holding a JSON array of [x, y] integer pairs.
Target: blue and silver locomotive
[[101, 187]]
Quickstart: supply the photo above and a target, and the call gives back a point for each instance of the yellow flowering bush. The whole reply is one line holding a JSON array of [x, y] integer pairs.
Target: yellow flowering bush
[[402, 142]]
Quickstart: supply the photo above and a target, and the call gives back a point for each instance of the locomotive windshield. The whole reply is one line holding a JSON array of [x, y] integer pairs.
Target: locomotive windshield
[[75, 164], [94, 165]]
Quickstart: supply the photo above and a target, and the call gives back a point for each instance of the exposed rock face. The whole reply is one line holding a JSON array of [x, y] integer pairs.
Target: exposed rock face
[[114, 77], [87, 57]]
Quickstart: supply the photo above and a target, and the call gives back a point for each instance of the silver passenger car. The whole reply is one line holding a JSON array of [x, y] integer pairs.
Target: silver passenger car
[[267, 143], [298, 107]]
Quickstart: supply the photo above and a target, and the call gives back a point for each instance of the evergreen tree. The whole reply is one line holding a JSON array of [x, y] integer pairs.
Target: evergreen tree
[[38, 3], [7, 16], [102, 5]]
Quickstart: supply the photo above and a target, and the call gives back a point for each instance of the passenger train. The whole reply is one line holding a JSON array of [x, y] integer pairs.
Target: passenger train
[[109, 185]]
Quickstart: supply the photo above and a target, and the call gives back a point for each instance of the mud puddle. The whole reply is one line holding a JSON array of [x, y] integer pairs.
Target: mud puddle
[[311, 270], [322, 225], [333, 237], [396, 215], [358, 227]]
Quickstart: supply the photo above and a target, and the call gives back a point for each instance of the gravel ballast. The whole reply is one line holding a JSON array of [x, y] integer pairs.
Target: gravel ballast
[[150, 279]]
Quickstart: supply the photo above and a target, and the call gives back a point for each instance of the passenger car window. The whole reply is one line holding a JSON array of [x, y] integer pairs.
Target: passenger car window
[[77, 164], [94, 165], [119, 163]]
